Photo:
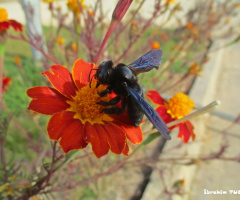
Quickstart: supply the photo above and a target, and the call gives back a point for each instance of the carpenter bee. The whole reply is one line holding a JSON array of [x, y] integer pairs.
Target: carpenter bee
[[122, 80]]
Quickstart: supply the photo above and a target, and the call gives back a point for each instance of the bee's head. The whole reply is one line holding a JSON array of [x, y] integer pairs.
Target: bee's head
[[103, 72]]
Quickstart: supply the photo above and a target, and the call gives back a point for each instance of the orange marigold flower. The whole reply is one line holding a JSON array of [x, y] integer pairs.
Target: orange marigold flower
[[195, 69], [90, 13], [5, 83], [170, 1], [177, 107], [163, 37], [227, 20], [5, 23], [189, 26], [49, 1], [60, 40], [17, 60], [155, 45], [74, 47], [236, 5], [77, 119], [74, 7]]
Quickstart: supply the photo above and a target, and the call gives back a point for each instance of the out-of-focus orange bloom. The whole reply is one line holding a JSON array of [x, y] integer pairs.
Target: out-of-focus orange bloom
[[5, 23], [236, 5], [134, 23], [163, 37], [227, 20], [189, 26], [90, 13], [17, 60], [5, 83], [170, 1], [194, 69], [60, 40], [155, 45], [74, 47], [133, 28], [49, 1], [74, 7]]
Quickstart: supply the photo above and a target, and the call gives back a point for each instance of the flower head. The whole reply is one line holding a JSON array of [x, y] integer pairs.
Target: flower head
[[60, 40], [5, 23], [74, 7], [155, 45], [77, 119], [74, 47], [170, 1], [189, 26], [176, 108], [195, 69], [17, 60], [5, 83], [121, 9]]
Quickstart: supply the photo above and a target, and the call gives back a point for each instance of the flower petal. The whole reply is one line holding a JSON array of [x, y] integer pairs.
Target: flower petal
[[186, 131], [4, 25], [46, 100], [162, 111], [58, 122], [155, 97], [72, 136], [80, 71], [61, 79], [134, 134], [94, 134], [104, 137], [126, 150], [115, 137], [16, 25]]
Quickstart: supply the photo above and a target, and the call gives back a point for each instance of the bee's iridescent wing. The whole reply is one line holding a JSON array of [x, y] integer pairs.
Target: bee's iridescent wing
[[151, 114], [148, 61]]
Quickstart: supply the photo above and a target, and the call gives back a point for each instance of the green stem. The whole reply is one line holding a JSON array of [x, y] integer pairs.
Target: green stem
[[2, 52]]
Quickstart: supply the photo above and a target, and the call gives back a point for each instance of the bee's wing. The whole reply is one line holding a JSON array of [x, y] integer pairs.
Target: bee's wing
[[151, 114], [148, 61]]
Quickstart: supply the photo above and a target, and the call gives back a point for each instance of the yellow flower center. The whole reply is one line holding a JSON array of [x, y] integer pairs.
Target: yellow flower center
[[85, 105], [3, 15], [179, 105]]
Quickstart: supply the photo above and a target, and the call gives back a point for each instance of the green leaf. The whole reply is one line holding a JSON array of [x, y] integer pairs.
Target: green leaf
[[150, 138], [71, 155]]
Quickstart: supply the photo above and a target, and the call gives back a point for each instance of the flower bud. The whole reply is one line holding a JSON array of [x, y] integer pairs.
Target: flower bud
[[121, 9]]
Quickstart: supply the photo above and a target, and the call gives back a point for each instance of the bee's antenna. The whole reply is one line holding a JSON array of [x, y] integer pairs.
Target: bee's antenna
[[90, 79]]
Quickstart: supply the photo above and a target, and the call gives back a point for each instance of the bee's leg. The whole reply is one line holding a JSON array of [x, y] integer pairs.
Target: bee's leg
[[112, 102], [108, 90], [117, 110]]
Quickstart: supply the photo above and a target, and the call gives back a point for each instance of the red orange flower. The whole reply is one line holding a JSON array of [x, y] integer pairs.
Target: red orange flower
[[5, 23], [77, 119], [176, 108], [155, 45], [5, 83]]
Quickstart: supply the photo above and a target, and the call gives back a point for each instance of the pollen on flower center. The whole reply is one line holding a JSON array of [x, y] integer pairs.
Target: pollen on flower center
[[85, 105], [179, 105], [3, 15]]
